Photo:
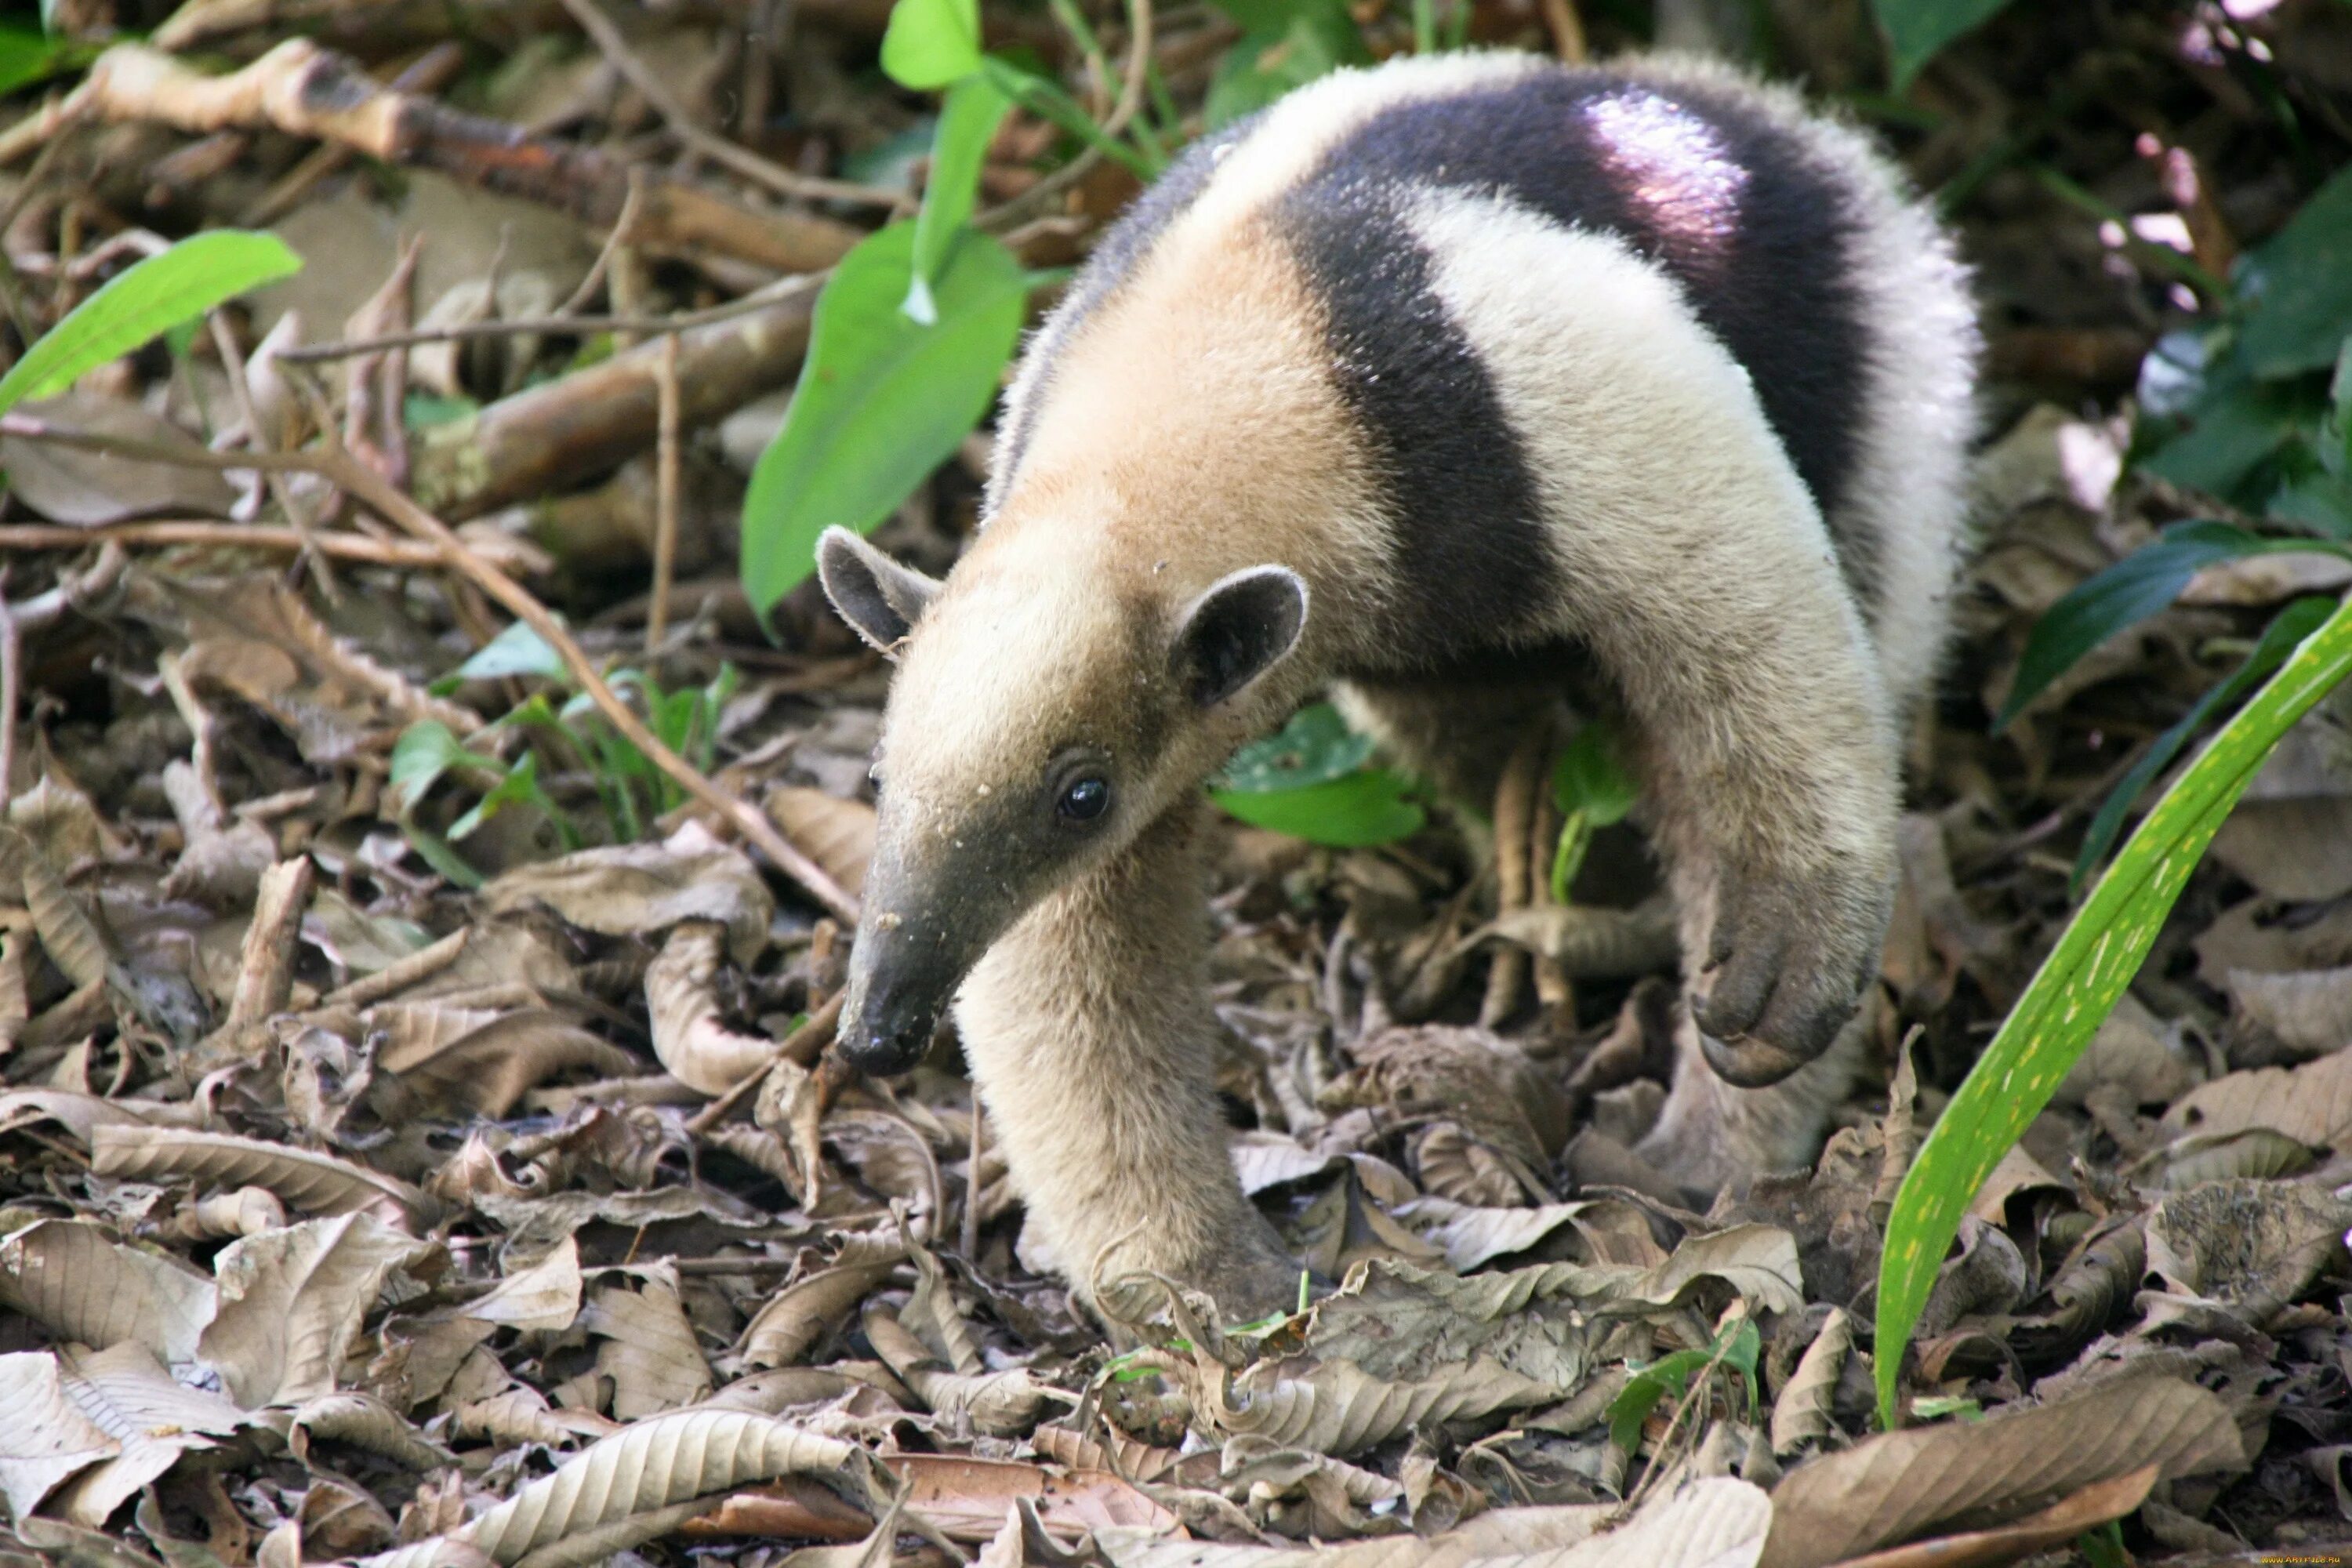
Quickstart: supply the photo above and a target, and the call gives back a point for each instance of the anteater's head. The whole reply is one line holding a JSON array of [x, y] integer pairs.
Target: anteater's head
[[1046, 709]]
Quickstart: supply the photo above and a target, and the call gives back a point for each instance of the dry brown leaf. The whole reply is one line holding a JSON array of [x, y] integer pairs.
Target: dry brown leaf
[[1475, 1235], [363, 1421], [291, 1301], [317, 1183], [87, 1289], [68, 484], [493, 1063], [2255, 1245], [1262, 1158], [79, 1113], [47, 1438], [837, 834], [1891, 1488], [2053, 1527], [790, 1325], [1336, 1407], [126, 1393], [653, 1464], [639, 890], [2309, 1012], [1802, 1413], [1717, 1523], [2311, 1104], [545, 1295], [648, 1349], [67, 934], [999, 1404], [699, 1049]]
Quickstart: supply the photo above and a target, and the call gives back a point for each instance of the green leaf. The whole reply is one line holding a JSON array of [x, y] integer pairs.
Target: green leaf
[[2078, 985], [968, 122], [517, 650], [1286, 43], [2287, 629], [1589, 776], [1917, 29], [1315, 747], [1353, 812], [882, 400], [1735, 1349], [27, 56], [159, 293], [423, 754], [2300, 286], [2233, 428], [2127, 593], [519, 787], [930, 43]]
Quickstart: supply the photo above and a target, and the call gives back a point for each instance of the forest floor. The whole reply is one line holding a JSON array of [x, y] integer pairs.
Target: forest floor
[[419, 1132]]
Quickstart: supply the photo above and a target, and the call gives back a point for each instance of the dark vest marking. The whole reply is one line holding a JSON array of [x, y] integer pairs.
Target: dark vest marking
[[1596, 151], [1114, 257], [1472, 563]]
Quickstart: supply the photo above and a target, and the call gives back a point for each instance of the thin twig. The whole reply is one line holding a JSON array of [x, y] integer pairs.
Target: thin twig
[[208, 535], [233, 367], [551, 326], [11, 649], [717, 149], [665, 496], [817, 1027], [618, 237], [338, 467], [1029, 203], [428, 73], [971, 1237]]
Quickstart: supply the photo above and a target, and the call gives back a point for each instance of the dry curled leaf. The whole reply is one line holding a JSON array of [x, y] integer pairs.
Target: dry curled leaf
[[47, 1438], [153, 1420], [699, 1049], [492, 1060], [1802, 1413], [790, 1325], [647, 1348], [837, 834], [87, 1289], [291, 1301], [1897, 1486], [655, 1464], [317, 1183], [639, 890]]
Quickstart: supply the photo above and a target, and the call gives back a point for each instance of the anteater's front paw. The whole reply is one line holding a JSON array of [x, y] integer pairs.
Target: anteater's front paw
[[1787, 962]]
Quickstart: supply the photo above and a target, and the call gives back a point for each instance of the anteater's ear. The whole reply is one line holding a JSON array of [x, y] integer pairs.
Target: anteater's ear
[[880, 599], [1237, 631]]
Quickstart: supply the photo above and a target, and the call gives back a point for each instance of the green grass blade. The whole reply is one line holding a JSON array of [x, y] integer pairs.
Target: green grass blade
[[143, 303], [2077, 987]]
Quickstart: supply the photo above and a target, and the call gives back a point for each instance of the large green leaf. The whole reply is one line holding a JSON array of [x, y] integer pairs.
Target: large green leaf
[[1315, 747], [2127, 593], [930, 43], [968, 122], [2077, 986], [2299, 284], [1355, 810], [143, 302], [1917, 29], [882, 400]]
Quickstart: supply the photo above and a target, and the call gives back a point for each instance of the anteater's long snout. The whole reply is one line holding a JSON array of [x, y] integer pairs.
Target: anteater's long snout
[[901, 980]]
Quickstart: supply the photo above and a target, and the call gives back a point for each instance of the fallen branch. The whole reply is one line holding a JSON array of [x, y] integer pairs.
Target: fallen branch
[[338, 467], [512, 555], [305, 91], [549, 326], [593, 420]]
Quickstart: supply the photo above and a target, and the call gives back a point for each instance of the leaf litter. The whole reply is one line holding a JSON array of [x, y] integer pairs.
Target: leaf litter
[[444, 1165]]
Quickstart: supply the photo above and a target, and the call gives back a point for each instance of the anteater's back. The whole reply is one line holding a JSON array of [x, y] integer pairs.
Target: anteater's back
[[1790, 242]]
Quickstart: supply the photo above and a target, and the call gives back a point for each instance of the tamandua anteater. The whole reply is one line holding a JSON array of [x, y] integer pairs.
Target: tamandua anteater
[[1442, 382]]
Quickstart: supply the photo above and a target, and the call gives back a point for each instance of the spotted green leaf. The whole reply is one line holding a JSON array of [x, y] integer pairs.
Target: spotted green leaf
[[2077, 985]]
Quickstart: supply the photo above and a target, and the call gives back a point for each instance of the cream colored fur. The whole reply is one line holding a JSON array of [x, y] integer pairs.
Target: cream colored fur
[[1189, 428]]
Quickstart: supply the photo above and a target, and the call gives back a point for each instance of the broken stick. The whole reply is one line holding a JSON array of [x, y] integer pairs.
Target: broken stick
[[305, 91]]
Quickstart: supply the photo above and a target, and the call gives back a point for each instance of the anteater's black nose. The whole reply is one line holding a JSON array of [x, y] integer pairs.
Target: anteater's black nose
[[880, 1039]]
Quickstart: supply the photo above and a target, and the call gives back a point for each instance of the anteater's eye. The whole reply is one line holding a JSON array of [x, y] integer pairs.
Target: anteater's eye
[[1083, 799]]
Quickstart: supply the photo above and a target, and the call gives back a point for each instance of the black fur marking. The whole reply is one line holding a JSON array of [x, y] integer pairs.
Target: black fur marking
[[1124, 245], [1472, 558], [1773, 285]]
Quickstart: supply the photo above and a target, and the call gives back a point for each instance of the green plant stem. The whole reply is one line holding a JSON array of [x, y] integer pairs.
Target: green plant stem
[[1424, 27], [1048, 101]]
